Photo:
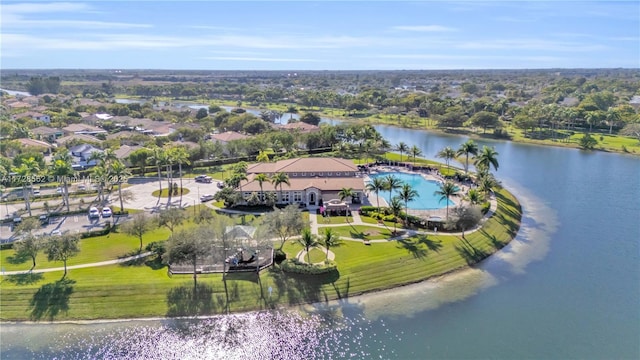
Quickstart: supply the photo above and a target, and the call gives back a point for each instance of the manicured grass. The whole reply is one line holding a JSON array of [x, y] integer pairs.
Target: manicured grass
[[363, 232], [145, 290], [334, 220], [316, 255], [165, 193], [370, 220]]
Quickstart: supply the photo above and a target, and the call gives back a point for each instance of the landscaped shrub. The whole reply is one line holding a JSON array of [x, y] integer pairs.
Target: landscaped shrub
[[158, 247], [279, 256], [485, 207], [297, 267]]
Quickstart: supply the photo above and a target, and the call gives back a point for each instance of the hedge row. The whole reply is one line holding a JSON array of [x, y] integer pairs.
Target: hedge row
[[297, 267]]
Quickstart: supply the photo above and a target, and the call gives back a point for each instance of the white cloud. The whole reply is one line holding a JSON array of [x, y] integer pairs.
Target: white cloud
[[529, 44], [424, 28], [470, 57]]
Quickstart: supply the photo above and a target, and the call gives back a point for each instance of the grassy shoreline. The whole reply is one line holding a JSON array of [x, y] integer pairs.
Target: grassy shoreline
[[144, 289]]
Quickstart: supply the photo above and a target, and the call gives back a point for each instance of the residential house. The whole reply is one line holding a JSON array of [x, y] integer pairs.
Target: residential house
[[46, 133], [227, 136], [83, 129], [80, 138], [34, 115], [300, 127], [39, 145], [313, 181], [124, 151], [82, 153]]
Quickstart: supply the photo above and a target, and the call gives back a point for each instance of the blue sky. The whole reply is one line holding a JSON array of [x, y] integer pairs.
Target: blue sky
[[296, 35]]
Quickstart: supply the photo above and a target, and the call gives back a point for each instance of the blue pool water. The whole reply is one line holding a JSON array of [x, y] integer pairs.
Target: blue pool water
[[425, 188]]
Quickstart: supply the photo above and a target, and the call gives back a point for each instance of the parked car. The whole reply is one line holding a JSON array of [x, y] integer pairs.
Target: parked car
[[56, 232], [82, 187], [44, 219], [206, 197], [36, 192], [203, 179], [106, 212], [17, 219], [220, 184], [94, 213]]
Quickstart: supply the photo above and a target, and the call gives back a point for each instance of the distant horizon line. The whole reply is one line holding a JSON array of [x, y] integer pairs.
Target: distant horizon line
[[323, 70]]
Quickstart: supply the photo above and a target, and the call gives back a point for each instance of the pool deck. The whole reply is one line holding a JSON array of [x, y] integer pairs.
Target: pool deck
[[372, 199]]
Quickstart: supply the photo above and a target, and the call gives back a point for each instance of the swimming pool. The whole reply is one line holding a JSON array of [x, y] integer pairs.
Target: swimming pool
[[425, 188]]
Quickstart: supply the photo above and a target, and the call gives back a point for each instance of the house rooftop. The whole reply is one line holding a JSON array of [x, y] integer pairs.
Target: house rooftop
[[228, 136], [34, 143], [300, 165]]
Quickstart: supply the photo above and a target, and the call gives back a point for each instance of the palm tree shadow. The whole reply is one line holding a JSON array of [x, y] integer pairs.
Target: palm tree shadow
[[414, 247], [51, 299], [433, 245], [470, 253], [25, 279]]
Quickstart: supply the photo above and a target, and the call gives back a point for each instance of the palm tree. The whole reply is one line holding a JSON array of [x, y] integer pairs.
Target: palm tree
[[344, 193], [468, 147], [415, 152], [391, 183], [158, 158], [395, 206], [261, 178], [330, 239], [473, 196], [402, 148], [486, 184], [447, 154], [446, 191], [119, 171], [100, 174], [279, 179], [612, 117], [307, 240], [376, 185], [488, 157], [181, 156], [407, 193], [61, 168], [27, 171]]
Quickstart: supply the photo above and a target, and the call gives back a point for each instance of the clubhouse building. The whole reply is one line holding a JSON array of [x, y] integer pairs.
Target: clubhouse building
[[313, 181]]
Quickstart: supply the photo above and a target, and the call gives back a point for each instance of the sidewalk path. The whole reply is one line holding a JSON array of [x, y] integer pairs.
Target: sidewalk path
[[81, 266]]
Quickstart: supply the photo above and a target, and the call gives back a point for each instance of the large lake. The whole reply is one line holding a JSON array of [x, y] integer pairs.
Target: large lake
[[567, 287]]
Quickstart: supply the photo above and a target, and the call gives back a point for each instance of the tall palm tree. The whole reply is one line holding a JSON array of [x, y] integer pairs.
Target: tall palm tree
[[330, 239], [446, 191], [447, 154], [261, 178], [158, 158], [27, 171], [344, 193], [468, 147], [391, 183], [376, 185], [278, 179], [100, 175], [415, 152], [307, 240], [395, 206], [402, 148], [407, 193], [61, 168], [487, 157], [119, 172], [181, 156], [486, 184]]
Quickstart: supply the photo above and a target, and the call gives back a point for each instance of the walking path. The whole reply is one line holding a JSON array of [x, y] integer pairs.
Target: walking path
[[301, 255], [81, 266]]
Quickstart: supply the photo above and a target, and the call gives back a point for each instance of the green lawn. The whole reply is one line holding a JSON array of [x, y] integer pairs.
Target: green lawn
[[145, 289], [363, 232], [316, 255], [334, 220]]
